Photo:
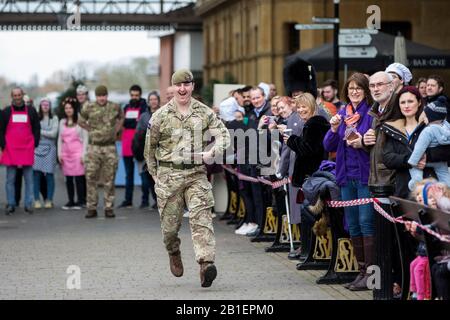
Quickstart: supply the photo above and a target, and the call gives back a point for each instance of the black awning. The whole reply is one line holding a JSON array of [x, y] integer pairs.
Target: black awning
[[419, 56]]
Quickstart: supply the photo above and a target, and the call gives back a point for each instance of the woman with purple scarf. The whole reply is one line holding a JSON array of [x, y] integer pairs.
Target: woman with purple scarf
[[352, 170]]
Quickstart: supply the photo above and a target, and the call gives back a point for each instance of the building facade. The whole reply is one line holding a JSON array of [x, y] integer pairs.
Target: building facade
[[249, 39]]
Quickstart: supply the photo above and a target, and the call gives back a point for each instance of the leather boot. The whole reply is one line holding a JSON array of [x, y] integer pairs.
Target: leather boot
[[176, 265], [358, 250], [91, 214], [109, 213], [208, 273], [369, 251], [305, 240]]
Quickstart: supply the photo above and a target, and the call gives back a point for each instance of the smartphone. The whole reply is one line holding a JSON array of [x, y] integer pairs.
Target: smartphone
[[287, 132], [352, 136]]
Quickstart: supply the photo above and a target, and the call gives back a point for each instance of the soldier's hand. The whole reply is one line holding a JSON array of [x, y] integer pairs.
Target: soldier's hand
[[208, 156]]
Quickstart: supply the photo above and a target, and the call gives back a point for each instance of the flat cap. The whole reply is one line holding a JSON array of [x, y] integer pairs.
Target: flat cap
[[182, 75], [101, 91]]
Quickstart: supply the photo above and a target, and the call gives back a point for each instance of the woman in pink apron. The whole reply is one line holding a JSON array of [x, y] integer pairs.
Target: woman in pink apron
[[132, 111], [20, 139], [72, 145]]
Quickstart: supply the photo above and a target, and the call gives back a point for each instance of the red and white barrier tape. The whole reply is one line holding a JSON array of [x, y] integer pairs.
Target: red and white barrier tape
[[244, 177], [380, 210]]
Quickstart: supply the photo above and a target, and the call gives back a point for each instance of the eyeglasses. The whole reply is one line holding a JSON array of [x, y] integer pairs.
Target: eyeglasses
[[378, 85], [356, 89]]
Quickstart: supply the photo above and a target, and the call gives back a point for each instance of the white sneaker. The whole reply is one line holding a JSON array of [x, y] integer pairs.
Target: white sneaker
[[186, 214], [243, 230], [242, 227], [253, 227]]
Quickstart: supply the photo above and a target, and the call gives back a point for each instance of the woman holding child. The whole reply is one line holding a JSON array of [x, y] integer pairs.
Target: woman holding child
[[401, 134]]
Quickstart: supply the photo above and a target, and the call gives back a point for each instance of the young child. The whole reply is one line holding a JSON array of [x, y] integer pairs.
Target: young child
[[436, 133], [420, 276], [440, 193]]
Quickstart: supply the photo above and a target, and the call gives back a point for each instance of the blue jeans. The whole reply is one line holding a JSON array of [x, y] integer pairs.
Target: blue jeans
[[440, 168], [49, 179], [10, 185], [129, 178], [360, 219]]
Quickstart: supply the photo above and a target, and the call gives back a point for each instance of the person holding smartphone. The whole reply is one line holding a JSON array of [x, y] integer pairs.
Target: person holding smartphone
[[308, 145], [352, 169]]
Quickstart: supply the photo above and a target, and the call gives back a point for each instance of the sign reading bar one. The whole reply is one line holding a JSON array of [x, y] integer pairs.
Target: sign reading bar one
[[435, 62]]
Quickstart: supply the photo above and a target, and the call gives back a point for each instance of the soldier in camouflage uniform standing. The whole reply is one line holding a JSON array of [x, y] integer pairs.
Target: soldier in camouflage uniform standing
[[103, 120], [173, 152]]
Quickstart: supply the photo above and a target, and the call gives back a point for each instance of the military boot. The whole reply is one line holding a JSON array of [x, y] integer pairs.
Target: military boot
[[176, 265], [91, 214], [208, 273], [109, 213]]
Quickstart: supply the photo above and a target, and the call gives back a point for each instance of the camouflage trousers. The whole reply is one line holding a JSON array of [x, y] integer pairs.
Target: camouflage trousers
[[176, 189], [101, 161]]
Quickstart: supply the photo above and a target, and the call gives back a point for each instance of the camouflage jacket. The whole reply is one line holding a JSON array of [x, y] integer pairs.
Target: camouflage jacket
[[102, 121], [172, 137]]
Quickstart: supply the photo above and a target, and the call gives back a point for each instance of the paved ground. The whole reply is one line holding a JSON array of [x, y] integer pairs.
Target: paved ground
[[124, 258]]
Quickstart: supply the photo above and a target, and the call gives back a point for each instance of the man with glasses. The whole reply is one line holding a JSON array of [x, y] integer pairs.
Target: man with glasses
[[382, 91], [381, 179]]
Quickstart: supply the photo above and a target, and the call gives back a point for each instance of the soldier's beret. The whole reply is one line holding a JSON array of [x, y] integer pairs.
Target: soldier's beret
[[182, 75], [101, 91]]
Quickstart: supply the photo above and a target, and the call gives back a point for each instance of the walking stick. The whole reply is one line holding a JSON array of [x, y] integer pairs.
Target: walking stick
[[291, 241]]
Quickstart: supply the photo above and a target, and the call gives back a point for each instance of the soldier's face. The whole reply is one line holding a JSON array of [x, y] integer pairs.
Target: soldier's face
[[183, 92], [102, 100]]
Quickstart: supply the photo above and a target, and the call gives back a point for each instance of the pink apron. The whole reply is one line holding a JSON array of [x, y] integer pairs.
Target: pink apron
[[71, 152], [19, 149], [128, 134]]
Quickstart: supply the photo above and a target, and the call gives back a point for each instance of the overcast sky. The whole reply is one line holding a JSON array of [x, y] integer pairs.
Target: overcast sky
[[23, 54]]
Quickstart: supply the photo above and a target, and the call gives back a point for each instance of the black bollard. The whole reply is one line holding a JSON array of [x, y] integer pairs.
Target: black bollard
[[383, 245]]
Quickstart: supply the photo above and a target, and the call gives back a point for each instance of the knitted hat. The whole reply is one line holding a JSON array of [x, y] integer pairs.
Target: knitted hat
[[436, 110]]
